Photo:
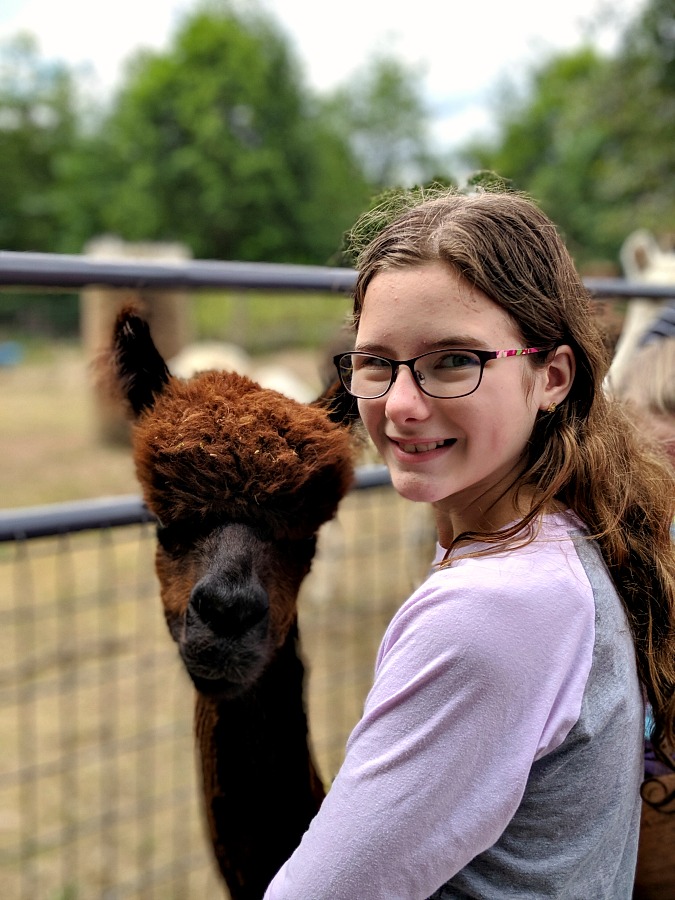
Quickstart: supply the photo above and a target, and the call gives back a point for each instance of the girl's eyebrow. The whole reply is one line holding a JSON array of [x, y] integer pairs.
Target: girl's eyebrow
[[456, 342], [460, 342]]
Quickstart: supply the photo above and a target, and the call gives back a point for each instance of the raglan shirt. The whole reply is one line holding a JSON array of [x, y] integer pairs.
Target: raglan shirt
[[500, 749]]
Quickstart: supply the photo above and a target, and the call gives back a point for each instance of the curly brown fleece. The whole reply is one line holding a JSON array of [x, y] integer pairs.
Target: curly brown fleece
[[220, 446]]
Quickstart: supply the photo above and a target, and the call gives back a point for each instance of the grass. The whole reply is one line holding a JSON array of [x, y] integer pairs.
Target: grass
[[48, 440]]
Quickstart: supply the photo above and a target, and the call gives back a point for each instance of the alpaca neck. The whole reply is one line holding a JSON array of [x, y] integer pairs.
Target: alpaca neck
[[261, 786]]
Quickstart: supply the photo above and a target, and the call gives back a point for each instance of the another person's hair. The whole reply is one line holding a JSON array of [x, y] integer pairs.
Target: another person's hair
[[586, 455]]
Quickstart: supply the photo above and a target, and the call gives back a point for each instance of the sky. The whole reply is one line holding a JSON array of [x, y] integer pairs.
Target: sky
[[464, 50]]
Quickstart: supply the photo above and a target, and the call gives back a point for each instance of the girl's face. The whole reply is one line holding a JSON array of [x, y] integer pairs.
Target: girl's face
[[461, 454]]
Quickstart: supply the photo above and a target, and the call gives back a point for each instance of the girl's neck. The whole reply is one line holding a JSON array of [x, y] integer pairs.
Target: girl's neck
[[505, 511]]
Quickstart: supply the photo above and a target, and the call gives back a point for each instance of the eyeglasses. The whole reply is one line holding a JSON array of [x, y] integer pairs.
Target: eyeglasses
[[444, 374]]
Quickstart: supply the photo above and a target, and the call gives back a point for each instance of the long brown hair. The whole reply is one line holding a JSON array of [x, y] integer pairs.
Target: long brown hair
[[587, 455]]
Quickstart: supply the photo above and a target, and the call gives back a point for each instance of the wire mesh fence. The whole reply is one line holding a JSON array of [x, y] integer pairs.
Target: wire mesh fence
[[98, 792]]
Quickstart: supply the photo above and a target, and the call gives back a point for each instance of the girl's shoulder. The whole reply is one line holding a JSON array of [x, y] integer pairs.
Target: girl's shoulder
[[494, 612], [551, 556], [543, 584]]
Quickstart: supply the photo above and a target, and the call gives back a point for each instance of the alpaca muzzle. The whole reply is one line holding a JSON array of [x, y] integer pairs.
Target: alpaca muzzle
[[224, 641], [229, 609]]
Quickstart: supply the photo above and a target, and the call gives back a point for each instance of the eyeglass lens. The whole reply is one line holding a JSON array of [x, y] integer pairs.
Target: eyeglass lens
[[444, 373]]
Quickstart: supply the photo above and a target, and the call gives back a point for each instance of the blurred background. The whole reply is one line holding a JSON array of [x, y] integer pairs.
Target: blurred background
[[255, 132]]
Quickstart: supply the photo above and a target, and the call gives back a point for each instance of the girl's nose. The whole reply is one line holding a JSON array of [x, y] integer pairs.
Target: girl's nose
[[404, 398]]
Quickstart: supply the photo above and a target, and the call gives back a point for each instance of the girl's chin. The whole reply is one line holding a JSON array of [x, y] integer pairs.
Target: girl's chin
[[417, 488]]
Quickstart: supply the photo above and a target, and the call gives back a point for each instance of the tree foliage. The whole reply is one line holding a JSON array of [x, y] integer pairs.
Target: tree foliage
[[38, 125], [216, 144], [382, 110], [593, 139]]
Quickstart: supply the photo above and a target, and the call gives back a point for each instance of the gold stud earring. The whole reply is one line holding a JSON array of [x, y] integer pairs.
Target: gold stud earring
[[551, 408]]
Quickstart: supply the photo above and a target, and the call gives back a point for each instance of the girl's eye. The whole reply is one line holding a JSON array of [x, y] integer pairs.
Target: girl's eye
[[455, 360], [371, 362]]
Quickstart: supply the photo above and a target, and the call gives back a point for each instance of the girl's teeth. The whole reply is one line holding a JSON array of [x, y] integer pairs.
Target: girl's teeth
[[421, 448]]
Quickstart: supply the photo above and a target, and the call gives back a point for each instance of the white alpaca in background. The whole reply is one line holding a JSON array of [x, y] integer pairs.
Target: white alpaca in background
[[643, 260], [225, 357]]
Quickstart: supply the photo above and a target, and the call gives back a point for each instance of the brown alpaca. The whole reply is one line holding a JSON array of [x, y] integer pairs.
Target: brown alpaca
[[240, 479]]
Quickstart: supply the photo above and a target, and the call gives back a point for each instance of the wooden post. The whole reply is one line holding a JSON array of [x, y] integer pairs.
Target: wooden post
[[168, 313]]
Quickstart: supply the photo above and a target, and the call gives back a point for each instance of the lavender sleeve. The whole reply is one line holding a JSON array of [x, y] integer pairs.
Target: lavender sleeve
[[480, 673]]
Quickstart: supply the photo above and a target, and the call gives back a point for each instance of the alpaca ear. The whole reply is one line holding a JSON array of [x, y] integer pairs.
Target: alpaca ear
[[341, 407], [140, 372]]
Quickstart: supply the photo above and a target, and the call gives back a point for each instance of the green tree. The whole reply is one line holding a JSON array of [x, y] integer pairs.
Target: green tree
[[383, 111], [593, 138], [216, 143], [38, 125]]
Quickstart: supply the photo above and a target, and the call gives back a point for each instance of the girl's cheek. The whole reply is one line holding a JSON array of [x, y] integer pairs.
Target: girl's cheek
[[371, 413]]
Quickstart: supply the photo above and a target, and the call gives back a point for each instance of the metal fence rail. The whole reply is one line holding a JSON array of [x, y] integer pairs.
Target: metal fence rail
[[73, 272], [110, 512]]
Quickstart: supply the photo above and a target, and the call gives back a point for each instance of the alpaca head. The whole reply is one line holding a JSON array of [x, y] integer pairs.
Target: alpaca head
[[240, 479]]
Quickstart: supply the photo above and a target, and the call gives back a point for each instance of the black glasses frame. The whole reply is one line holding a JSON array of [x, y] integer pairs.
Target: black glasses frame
[[484, 356]]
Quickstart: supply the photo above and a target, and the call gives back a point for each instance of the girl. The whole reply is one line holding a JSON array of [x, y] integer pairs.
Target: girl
[[500, 749]]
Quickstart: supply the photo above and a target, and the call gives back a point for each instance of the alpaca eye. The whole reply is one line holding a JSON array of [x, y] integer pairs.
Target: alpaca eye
[[162, 533], [180, 537], [169, 538]]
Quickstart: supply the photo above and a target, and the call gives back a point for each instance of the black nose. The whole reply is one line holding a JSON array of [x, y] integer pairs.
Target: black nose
[[228, 609]]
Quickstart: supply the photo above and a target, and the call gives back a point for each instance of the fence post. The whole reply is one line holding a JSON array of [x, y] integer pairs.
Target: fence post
[[168, 313]]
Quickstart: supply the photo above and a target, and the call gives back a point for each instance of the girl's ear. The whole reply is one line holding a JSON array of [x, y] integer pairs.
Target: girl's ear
[[559, 371]]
